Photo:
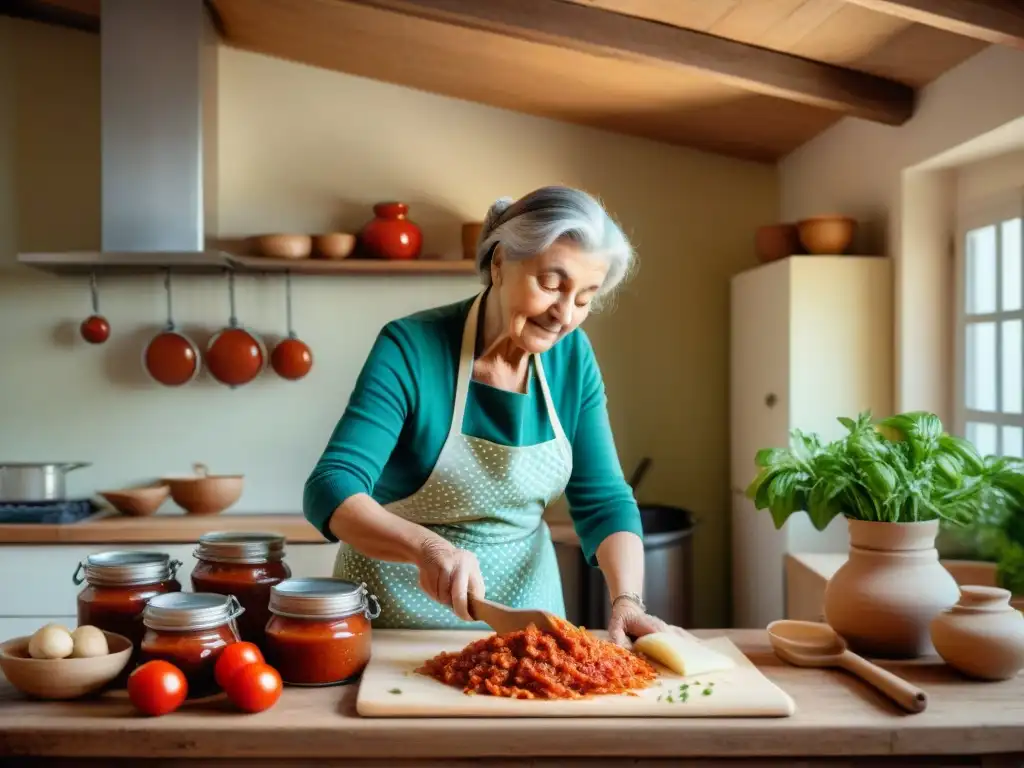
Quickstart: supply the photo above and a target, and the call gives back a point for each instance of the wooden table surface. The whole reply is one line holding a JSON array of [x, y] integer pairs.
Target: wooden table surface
[[836, 716], [167, 528]]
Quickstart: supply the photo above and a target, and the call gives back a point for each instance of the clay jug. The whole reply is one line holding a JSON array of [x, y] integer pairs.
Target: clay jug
[[883, 598], [982, 636], [390, 235]]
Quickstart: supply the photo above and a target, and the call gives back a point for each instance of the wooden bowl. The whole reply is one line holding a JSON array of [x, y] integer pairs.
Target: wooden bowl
[[777, 241], [283, 246], [63, 678], [827, 234], [205, 494], [138, 502], [333, 245]]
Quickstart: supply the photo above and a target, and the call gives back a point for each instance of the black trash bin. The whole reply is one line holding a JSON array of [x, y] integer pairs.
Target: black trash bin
[[668, 572]]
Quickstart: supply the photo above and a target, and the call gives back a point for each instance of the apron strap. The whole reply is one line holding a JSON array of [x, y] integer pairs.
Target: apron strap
[[465, 368], [556, 425]]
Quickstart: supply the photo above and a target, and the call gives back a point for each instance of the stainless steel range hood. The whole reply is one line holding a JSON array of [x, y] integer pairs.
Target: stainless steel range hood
[[159, 140]]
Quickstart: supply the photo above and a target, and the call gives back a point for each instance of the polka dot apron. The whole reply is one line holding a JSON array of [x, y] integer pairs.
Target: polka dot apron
[[483, 497]]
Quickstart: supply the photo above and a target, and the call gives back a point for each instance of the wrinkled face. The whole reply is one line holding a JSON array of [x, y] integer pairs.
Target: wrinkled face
[[545, 297]]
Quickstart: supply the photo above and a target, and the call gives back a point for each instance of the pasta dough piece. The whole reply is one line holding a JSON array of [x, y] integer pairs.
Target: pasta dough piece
[[683, 655]]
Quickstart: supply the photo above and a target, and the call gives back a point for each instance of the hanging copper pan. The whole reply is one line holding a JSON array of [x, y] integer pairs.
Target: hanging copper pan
[[235, 356], [171, 358], [291, 359]]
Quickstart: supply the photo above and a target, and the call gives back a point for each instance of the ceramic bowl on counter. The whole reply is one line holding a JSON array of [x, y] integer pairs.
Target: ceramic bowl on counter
[[138, 502], [66, 678], [203, 493]]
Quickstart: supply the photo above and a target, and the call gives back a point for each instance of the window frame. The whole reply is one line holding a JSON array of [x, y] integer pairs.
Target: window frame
[[976, 215]]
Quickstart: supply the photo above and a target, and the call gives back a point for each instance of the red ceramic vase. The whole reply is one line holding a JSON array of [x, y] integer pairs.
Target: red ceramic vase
[[390, 235]]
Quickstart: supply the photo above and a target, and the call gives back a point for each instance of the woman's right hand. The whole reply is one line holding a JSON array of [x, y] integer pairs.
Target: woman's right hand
[[448, 574]]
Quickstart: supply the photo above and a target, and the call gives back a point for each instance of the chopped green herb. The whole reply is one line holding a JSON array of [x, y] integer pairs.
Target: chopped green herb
[[669, 698], [395, 690], [707, 691], [712, 685]]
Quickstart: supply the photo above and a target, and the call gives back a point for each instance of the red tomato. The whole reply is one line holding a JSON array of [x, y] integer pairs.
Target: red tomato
[[255, 687], [232, 659], [157, 688]]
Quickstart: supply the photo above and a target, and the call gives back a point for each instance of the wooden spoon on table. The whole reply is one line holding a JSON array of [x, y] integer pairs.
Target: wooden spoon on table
[[813, 644], [503, 619]]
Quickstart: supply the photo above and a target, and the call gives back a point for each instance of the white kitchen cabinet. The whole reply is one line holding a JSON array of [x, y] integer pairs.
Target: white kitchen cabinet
[[38, 584], [811, 340]]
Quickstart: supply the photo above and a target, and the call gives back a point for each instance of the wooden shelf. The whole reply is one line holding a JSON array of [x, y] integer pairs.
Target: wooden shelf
[[213, 261]]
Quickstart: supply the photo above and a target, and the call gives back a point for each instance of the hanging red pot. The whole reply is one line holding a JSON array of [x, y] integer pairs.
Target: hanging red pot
[[171, 358], [291, 359], [235, 356], [390, 235], [95, 329]]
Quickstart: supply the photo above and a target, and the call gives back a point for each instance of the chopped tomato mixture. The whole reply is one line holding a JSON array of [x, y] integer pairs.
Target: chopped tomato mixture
[[569, 663]]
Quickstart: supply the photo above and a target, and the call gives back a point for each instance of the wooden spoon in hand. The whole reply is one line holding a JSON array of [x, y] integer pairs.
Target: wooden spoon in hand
[[503, 619]]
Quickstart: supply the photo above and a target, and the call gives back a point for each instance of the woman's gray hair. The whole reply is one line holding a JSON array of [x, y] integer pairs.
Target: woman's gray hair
[[533, 223]]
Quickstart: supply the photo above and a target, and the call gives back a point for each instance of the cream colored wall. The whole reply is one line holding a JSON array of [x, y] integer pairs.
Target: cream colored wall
[[304, 149], [859, 168]]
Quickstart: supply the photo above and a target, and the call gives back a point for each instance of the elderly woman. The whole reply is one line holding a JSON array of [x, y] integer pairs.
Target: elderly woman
[[467, 420]]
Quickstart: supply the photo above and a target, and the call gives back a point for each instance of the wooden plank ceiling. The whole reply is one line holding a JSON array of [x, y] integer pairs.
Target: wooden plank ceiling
[[747, 78]]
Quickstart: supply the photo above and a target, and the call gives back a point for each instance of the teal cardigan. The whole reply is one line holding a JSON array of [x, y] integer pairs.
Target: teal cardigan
[[399, 414]]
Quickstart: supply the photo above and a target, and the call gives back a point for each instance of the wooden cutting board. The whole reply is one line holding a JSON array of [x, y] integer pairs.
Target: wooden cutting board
[[390, 687]]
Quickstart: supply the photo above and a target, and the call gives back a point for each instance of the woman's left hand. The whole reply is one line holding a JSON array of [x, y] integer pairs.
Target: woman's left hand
[[629, 620]]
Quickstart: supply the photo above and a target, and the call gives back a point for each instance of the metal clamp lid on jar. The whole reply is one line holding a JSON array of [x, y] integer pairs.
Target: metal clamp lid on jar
[[322, 598], [190, 611], [126, 569], [242, 548]]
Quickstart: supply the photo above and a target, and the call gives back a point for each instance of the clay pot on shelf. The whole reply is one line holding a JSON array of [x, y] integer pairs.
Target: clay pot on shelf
[[391, 235], [827, 234], [777, 241], [981, 636], [883, 599]]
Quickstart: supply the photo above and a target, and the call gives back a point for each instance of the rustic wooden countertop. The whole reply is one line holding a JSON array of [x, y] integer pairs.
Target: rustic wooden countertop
[[113, 528], [836, 715]]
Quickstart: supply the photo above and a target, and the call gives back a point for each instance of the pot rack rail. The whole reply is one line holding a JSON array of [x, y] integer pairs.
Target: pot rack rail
[[216, 262]]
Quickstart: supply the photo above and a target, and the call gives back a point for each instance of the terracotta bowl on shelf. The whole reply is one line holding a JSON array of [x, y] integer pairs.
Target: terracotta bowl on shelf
[[827, 234], [283, 246], [138, 502], [203, 493], [68, 678], [333, 245]]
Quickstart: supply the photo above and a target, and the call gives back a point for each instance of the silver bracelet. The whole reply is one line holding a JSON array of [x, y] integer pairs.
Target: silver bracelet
[[633, 597]]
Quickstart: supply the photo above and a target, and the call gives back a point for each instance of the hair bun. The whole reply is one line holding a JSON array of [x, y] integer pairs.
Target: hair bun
[[498, 207]]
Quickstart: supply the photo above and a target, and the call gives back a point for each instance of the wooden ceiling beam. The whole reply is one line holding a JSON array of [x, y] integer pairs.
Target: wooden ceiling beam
[[1000, 22], [613, 35]]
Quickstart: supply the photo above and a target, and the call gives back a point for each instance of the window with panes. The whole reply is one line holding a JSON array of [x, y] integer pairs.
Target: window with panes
[[990, 327]]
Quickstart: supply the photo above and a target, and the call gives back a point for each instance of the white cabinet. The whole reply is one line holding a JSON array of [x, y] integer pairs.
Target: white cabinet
[[811, 340], [38, 587]]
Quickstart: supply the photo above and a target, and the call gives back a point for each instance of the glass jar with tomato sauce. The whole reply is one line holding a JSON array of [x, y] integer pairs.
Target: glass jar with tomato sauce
[[190, 630], [118, 586], [320, 630], [245, 565]]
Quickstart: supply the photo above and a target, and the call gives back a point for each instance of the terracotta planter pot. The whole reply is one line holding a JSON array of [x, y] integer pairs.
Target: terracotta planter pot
[[885, 596]]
